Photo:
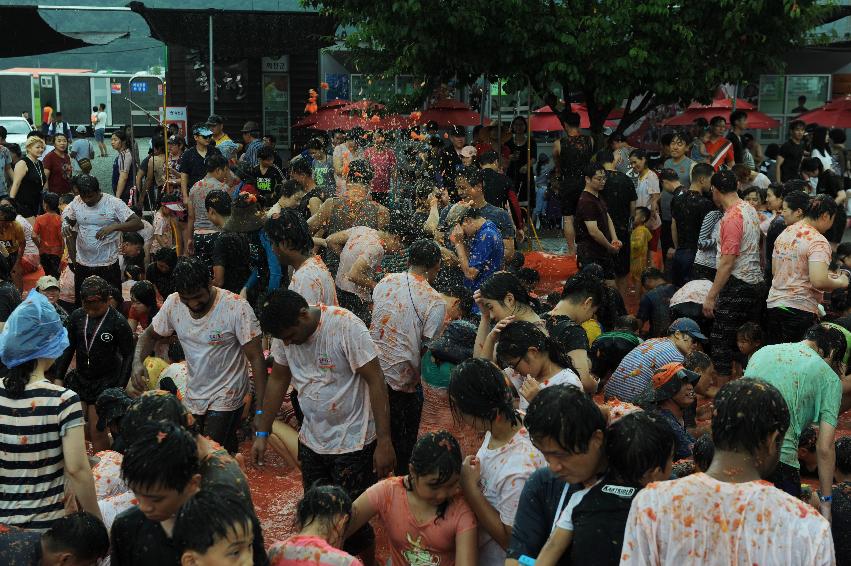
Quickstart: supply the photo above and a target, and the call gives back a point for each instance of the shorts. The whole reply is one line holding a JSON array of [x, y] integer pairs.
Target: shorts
[[607, 263], [88, 390], [111, 273], [786, 478], [405, 412], [622, 257], [354, 304], [204, 244], [784, 324], [220, 426], [99, 135], [353, 471]]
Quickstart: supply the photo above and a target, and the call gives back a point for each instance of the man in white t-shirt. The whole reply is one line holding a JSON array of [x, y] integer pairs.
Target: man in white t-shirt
[[406, 313], [97, 219], [100, 128], [328, 356], [728, 515], [220, 337], [293, 245]]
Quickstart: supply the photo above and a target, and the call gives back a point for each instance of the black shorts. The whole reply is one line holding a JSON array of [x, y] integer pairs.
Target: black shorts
[[221, 426], [607, 263], [112, 274], [357, 306], [88, 390]]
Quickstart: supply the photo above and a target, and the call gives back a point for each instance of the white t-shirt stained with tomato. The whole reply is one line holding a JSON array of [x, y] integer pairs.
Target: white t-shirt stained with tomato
[[218, 369], [363, 242], [406, 310], [698, 520], [92, 252], [333, 397], [313, 281]]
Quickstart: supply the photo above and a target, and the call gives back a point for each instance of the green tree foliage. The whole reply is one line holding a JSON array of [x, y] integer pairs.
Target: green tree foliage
[[648, 52]]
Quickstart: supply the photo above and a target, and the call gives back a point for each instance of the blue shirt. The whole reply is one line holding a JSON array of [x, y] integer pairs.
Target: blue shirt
[[683, 441], [485, 254], [635, 372]]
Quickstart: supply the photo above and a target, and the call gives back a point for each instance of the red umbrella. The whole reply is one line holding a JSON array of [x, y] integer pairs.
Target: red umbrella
[[451, 113], [834, 114], [326, 121], [545, 120], [756, 120], [723, 103], [362, 106], [310, 119]]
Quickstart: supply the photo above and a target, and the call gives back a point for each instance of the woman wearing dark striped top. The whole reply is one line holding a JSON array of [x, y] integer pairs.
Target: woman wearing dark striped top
[[41, 424]]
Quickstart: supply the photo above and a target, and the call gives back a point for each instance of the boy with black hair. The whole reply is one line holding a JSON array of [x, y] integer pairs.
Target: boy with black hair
[[654, 307], [102, 342], [581, 296], [639, 450], [479, 246], [161, 467], [702, 517], [791, 153], [215, 528], [78, 539], [268, 177], [293, 244], [47, 234], [609, 348], [230, 249]]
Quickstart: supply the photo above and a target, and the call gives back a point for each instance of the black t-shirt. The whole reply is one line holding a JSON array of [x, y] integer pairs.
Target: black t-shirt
[[537, 510], [618, 193], [192, 164], [109, 356], [138, 541], [231, 251], [496, 187], [267, 183], [599, 522], [591, 208], [689, 209], [569, 335], [19, 547], [792, 153], [10, 298]]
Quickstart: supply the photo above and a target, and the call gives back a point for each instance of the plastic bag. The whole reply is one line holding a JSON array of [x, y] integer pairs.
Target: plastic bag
[[32, 331]]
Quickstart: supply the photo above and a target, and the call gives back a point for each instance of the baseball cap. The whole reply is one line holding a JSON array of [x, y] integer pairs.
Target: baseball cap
[[468, 151], [80, 130], [669, 379], [46, 282], [250, 126], [215, 119], [687, 326], [459, 131], [202, 130]]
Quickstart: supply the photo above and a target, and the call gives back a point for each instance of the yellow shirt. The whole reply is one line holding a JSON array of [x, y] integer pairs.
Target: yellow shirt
[[639, 241], [222, 139]]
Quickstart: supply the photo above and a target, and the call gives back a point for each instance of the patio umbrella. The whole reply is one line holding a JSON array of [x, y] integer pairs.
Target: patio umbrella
[[451, 113], [310, 119], [756, 120], [335, 120], [361, 105], [723, 103], [834, 114], [544, 119]]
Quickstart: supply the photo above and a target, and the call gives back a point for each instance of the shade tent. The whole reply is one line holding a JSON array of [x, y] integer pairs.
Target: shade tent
[[544, 119], [26, 33], [448, 113], [834, 114]]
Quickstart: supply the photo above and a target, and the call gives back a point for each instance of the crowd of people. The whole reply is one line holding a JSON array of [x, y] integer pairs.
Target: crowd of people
[[365, 312]]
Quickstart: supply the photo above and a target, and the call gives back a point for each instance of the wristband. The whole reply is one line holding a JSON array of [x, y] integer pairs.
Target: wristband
[[825, 498], [258, 412], [261, 434]]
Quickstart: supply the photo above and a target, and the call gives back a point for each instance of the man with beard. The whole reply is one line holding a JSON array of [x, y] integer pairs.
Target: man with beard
[[221, 337]]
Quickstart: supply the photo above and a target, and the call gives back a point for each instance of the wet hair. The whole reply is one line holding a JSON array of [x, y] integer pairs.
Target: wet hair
[[602, 157], [302, 167], [464, 296], [466, 213], [215, 161], [747, 412], [528, 276], [281, 310], [580, 287], [86, 184], [162, 454], [500, 284], [175, 352], [123, 137], [637, 444], [725, 182], [638, 153], [291, 187], [8, 213], [697, 361], [518, 336], [650, 274], [703, 452], [51, 201], [145, 293], [487, 158], [837, 135], [360, 171], [424, 253], [95, 286], [796, 124], [190, 274], [323, 503], [820, 204], [566, 415], [210, 516], [570, 118], [592, 169], [829, 340], [628, 322], [219, 201], [797, 200], [715, 120], [645, 212], [472, 175], [290, 228], [132, 238], [436, 453], [81, 533], [479, 389], [750, 331], [807, 439], [266, 152], [843, 454], [15, 379], [166, 255], [737, 115], [316, 143]]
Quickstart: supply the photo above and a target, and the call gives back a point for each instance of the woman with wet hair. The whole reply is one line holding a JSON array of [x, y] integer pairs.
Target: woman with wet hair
[[502, 298]]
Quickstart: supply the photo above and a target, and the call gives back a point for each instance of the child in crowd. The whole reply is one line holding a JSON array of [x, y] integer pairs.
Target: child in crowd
[[610, 348], [749, 339], [639, 245], [639, 448], [492, 480], [64, 201], [215, 527], [323, 516], [143, 305], [47, 234], [425, 522], [173, 378], [164, 228]]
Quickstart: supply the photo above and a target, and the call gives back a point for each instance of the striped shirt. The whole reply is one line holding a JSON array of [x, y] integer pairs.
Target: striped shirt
[[32, 480], [634, 374]]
